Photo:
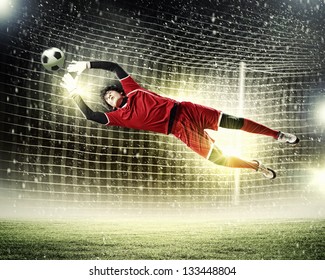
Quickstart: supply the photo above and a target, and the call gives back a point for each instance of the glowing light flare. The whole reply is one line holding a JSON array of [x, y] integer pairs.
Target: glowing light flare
[[234, 143], [6, 8], [83, 91], [234, 151], [319, 179], [320, 111], [83, 88], [5, 4]]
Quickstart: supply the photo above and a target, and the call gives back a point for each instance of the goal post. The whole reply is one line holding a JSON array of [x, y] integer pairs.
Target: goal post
[[241, 96]]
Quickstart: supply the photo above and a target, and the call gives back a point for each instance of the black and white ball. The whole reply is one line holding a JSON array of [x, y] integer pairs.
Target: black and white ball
[[52, 59]]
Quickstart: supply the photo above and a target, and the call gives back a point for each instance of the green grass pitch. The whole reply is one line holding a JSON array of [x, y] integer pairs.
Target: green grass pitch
[[154, 240]]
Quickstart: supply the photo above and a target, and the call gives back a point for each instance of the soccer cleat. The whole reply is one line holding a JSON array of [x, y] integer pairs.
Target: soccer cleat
[[288, 138], [267, 172]]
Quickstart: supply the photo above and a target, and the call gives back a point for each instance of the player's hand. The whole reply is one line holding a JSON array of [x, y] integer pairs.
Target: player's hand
[[78, 66], [70, 84]]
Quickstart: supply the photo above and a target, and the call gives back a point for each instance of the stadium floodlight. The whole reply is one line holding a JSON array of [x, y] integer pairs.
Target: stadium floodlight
[[6, 8], [319, 179], [321, 112]]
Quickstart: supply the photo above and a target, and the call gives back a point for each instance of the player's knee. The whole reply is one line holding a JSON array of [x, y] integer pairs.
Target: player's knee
[[216, 156], [232, 122]]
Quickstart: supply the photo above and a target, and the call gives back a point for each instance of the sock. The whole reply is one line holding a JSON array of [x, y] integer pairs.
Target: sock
[[254, 127]]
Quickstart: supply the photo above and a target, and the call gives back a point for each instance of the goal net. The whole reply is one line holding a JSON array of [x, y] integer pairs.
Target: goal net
[[52, 159]]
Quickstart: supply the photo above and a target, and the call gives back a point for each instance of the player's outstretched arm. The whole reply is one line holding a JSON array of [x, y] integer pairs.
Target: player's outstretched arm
[[89, 114], [80, 66], [70, 84]]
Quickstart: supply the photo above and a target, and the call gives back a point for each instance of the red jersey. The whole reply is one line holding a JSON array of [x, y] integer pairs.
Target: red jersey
[[144, 110]]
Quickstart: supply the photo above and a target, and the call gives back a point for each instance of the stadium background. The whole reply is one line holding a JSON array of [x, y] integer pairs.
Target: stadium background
[[53, 161]]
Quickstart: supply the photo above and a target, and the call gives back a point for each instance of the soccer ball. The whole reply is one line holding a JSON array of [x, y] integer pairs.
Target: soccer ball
[[52, 59]]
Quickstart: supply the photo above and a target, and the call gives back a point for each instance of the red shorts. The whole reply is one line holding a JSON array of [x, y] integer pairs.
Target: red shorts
[[190, 123]]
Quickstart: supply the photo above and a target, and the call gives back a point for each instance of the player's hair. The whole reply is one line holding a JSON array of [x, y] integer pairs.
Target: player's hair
[[105, 90]]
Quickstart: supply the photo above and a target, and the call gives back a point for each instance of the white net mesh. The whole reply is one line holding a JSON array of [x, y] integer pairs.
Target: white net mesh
[[52, 158]]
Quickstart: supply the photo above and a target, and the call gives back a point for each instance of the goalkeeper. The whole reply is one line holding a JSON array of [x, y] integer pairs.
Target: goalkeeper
[[135, 107]]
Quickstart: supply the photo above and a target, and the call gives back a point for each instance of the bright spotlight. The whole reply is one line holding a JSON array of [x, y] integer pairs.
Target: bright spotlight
[[321, 112], [319, 179], [6, 8], [231, 151]]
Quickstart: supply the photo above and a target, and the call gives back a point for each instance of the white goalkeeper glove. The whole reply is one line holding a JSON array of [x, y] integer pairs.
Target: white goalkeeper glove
[[70, 84], [78, 66]]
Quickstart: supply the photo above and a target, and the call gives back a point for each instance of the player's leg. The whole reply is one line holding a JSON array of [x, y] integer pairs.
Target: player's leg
[[232, 122], [192, 133], [216, 156]]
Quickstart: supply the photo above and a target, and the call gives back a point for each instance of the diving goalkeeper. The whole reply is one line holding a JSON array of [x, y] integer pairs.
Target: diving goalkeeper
[[135, 107]]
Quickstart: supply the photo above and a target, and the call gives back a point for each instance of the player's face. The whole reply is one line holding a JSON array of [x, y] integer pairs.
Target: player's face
[[113, 98]]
